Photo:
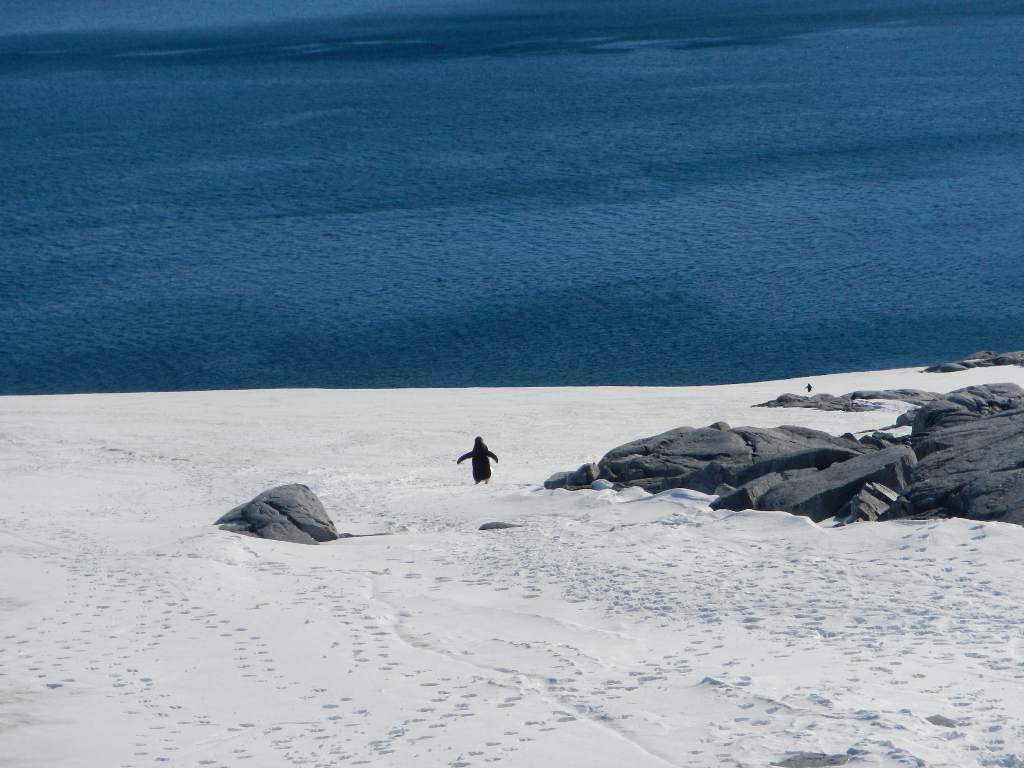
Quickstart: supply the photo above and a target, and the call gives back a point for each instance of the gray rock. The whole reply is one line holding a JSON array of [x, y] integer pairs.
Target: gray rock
[[584, 476], [573, 481], [973, 470], [967, 404], [941, 721], [861, 400], [557, 480], [811, 760], [912, 396], [823, 494], [677, 453], [815, 458], [870, 503], [906, 419], [822, 402], [602, 485], [963, 459], [498, 526], [703, 459], [747, 495], [984, 359], [285, 513], [883, 440], [986, 354]]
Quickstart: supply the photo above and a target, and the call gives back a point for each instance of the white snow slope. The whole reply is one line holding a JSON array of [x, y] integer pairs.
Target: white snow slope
[[610, 630]]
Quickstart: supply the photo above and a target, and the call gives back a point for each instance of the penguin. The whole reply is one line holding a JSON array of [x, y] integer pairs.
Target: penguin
[[481, 465]]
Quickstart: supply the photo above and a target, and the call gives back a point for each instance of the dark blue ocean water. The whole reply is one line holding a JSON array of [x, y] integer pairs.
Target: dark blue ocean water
[[649, 192]]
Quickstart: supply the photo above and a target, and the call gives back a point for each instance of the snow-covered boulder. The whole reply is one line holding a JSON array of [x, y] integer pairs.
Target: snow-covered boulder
[[822, 402], [861, 400], [285, 513]]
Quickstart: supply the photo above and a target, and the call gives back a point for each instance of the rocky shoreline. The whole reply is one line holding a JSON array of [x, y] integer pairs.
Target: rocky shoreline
[[963, 457], [983, 359]]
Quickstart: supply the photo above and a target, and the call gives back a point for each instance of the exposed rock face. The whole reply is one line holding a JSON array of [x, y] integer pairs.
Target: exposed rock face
[[824, 494], [964, 458], [861, 400], [748, 494], [702, 459], [912, 396], [286, 513], [973, 470], [884, 440], [965, 405], [873, 500], [983, 359]]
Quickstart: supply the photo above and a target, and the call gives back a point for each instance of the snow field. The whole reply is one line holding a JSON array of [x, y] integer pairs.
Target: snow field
[[610, 630]]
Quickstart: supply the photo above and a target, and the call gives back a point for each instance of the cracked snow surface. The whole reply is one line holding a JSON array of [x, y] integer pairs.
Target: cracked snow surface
[[610, 629]]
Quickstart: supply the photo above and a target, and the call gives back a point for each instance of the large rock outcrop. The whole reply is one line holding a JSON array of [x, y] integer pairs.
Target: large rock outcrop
[[983, 359], [285, 513], [823, 494], [965, 405], [705, 458], [973, 469], [964, 458]]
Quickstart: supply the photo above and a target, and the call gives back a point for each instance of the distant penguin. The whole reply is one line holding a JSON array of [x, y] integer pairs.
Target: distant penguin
[[481, 465], [809, 388]]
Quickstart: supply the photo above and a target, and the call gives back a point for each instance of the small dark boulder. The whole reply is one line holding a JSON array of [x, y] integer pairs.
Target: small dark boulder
[[285, 513], [573, 481], [498, 526], [584, 476], [811, 760], [557, 480]]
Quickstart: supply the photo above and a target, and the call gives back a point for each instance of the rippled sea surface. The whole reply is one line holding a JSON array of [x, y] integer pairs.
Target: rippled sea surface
[[563, 193]]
